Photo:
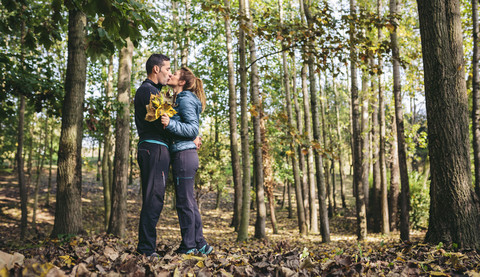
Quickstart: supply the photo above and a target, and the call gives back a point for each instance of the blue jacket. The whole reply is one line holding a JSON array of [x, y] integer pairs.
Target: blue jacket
[[184, 125]]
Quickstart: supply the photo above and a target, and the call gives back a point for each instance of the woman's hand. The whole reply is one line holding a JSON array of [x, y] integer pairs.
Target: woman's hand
[[165, 120]]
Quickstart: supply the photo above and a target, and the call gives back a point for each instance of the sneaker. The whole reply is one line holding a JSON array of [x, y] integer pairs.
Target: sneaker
[[193, 251], [206, 249], [154, 255]]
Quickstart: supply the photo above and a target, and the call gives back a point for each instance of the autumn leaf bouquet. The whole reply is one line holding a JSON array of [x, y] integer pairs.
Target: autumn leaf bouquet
[[159, 105]]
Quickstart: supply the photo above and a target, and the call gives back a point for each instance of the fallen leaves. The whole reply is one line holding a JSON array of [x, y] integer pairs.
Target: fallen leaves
[[158, 106]]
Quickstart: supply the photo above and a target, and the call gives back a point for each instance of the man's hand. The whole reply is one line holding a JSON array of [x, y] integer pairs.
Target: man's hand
[[198, 142], [165, 120]]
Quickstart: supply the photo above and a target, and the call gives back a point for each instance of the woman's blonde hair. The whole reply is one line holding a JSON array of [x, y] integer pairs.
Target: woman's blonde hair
[[193, 84]]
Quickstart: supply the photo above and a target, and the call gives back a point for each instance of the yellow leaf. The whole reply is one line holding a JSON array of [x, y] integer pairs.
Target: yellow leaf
[[4, 272], [437, 273], [200, 264], [400, 259]]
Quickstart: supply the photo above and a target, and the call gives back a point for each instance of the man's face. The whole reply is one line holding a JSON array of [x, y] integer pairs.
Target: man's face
[[164, 73]]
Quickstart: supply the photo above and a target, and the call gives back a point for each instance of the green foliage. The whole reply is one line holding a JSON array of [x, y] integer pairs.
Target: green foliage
[[419, 201]]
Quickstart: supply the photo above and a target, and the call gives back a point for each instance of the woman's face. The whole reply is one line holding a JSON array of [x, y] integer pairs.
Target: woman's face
[[174, 80]]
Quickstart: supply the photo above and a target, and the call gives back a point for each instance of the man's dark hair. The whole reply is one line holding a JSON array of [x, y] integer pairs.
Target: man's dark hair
[[155, 59]]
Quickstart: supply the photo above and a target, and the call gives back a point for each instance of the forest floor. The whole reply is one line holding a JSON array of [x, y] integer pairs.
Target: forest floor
[[284, 254]]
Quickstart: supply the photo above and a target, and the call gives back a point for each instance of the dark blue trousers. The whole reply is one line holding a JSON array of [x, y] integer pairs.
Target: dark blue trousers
[[153, 160], [184, 168]]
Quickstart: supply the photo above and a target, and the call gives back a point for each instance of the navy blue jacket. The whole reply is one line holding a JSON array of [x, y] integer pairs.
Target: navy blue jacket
[[184, 125], [148, 130]]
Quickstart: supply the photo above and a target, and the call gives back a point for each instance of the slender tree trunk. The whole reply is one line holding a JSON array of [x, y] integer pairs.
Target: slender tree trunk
[[402, 156], [20, 167], [68, 208], [118, 218], [301, 156], [174, 63], [454, 206], [476, 97], [365, 138], [99, 161], [41, 157], [107, 147], [302, 224], [186, 33], [310, 162], [325, 146], [268, 173], [232, 104], [257, 140], [290, 207], [245, 216], [284, 195], [381, 149], [339, 147], [375, 206], [22, 186], [50, 165], [320, 178], [394, 179], [357, 137]]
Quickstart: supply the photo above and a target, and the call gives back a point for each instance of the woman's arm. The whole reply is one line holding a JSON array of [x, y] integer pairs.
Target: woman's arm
[[188, 125]]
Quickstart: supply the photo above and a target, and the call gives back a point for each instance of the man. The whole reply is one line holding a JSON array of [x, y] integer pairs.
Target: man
[[153, 156]]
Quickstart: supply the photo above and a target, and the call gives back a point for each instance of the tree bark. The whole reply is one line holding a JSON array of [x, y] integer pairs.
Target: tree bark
[[41, 157], [107, 147], [394, 179], [454, 207], [245, 217], [68, 208], [50, 165], [325, 146], [375, 205], [301, 156], [186, 33], [356, 137], [402, 156], [20, 168], [232, 104], [310, 162], [320, 178], [381, 153], [365, 139], [257, 139], [118, 218], [339, 147], [476, 97]]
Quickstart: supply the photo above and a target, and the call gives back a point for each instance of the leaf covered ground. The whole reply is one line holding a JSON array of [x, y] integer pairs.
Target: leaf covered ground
[[285, 254]]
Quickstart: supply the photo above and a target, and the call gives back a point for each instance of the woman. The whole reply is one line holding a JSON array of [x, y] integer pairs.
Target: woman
[[190, 102]]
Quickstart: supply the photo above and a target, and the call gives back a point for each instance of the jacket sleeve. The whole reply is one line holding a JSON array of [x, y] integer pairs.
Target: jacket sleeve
[[188, 124]]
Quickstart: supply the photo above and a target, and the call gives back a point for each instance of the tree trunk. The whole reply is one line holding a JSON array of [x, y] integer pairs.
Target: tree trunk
[[454, 207], [375, 207], [107, 147], [186, 33], [365, 140], [325, 146], [232, 104], [381, 152], [20, 167], [268, 173], [394, 179], [402, 156], [68, 208], [476, 97], [118, 218], [41, 157], [310, 163], [174, 63], [302, 224], [356, 137], [339, 148], [99, 161], [50, 165], [301, 156], [245, 216], [257, 139], [320, 178]]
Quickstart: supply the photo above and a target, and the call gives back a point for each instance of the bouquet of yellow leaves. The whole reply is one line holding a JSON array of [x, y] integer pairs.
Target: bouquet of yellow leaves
[[158, 106]]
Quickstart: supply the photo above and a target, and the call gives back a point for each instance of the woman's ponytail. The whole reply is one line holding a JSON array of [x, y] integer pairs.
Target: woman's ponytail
[[194, 84]]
